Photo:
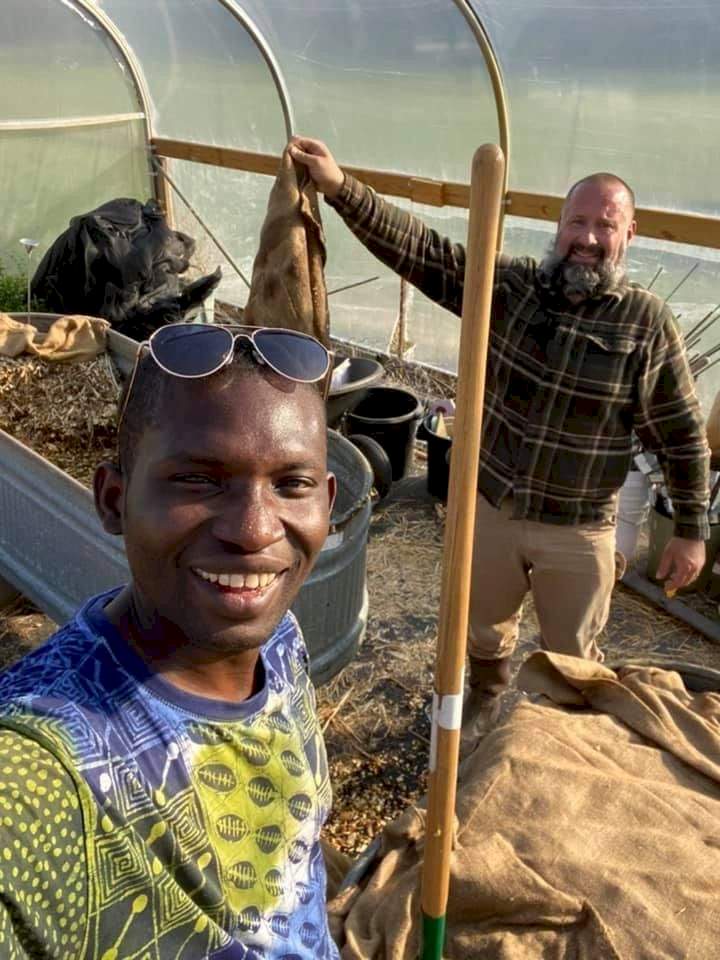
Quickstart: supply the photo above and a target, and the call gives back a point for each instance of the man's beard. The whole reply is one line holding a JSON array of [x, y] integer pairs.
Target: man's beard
[[580, 280]]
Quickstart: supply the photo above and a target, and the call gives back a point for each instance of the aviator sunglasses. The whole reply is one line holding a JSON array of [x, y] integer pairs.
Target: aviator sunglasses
[[194, 350]]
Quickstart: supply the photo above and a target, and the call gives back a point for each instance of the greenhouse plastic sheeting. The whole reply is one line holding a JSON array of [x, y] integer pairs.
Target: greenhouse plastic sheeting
[[633, 87], [57, 175], [395, 84], [71, 128], [206, 77], [401, 84], [56, 63], [390, 84]]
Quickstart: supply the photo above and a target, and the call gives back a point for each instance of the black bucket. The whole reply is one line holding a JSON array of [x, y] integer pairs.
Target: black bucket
[[357, 375], [438, 468], [389, 415]]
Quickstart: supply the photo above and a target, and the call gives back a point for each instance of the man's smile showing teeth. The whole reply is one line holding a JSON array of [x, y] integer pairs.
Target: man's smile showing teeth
[[238, 581]]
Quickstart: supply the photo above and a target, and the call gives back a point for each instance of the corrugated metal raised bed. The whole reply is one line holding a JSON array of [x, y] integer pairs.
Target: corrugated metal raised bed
[[54, 550]]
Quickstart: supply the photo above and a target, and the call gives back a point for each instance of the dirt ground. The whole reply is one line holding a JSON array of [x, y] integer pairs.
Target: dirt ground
[[375, 712]]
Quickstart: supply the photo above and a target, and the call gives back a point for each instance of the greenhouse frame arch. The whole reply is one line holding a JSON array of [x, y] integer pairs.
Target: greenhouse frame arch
[[102, 96]]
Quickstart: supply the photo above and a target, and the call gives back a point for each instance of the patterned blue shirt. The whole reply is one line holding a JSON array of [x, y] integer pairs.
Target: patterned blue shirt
[[166, 826]]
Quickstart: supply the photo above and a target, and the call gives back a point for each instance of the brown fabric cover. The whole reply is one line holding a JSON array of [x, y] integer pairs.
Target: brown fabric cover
[[337, 865], [589, 828], [68, 339], [288, 279]]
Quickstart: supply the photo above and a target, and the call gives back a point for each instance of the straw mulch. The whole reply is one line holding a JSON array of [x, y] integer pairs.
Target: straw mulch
[[375, 712], [22, 628], [65, 412]]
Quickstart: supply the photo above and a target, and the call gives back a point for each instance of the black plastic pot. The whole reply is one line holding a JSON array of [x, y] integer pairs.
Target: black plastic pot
[[438, 460], [359, 374], [390, 415]]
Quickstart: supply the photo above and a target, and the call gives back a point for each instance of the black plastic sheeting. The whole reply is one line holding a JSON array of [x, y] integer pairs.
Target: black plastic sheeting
[[122, 262]]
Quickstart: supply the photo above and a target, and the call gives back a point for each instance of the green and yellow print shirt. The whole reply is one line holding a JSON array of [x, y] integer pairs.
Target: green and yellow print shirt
[[140, 821]]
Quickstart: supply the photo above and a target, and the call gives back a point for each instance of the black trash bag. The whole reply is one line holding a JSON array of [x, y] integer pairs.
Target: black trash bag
[[122, 262]]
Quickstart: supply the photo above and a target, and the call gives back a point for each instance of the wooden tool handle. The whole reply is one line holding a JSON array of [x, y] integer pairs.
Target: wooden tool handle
[[485, 207]]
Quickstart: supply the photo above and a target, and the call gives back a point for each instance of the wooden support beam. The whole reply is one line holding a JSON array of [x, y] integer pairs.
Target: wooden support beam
[[226, 157], [434, 193], [163, 192], [668, 225]]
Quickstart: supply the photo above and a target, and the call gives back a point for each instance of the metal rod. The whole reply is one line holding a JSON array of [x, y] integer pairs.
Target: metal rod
[[714, 492], [351, 286], [265, 50], [498, 87], [132, 64], [696, 340], [687, 275], [206, 228], [700, 322], [709, 353], [701, 332], [657, 274], [704, 369]]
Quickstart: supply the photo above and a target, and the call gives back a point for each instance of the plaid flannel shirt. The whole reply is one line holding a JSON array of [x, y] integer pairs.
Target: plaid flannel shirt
[[567, 383]]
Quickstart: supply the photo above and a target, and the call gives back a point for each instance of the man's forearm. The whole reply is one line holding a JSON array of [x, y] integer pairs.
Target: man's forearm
[[687, 483], [431, 262]]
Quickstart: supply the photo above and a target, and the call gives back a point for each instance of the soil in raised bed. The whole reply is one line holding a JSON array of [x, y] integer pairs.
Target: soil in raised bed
[[65, 412]]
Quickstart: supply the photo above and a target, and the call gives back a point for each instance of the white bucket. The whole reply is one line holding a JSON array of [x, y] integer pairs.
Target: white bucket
[[633, 507]]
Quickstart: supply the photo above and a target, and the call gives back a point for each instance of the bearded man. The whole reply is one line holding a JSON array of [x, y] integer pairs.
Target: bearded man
[[579, 358]]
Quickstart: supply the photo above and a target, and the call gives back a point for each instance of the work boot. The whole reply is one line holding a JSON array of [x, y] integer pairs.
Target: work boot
[[487, 680]]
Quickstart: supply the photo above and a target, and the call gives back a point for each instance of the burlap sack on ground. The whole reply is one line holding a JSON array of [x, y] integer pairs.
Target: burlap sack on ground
[[288, 280], [589, 828], [68, 339]]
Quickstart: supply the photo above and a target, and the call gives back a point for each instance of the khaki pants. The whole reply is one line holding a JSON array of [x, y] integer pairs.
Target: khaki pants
[[570, 571]]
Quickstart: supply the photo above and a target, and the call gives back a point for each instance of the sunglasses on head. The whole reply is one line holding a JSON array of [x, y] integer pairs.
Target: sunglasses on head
[[194, 350]]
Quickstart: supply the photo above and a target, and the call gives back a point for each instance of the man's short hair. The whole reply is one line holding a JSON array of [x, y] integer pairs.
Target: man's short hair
[[604, 177], [144, 408]]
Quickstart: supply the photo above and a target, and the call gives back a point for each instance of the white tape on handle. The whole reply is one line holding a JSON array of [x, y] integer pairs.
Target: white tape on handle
[[446, 713]]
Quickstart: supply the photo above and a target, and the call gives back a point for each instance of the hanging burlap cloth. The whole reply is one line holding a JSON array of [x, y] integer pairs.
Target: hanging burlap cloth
[[589, 828], [69, 339], [288, 280]]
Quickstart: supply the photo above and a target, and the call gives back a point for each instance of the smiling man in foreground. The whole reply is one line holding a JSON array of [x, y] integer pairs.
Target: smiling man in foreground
[[579, 359], [164, 778]]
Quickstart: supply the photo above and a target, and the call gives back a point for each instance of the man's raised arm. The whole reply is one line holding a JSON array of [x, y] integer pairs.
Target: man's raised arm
[[426, 259]]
